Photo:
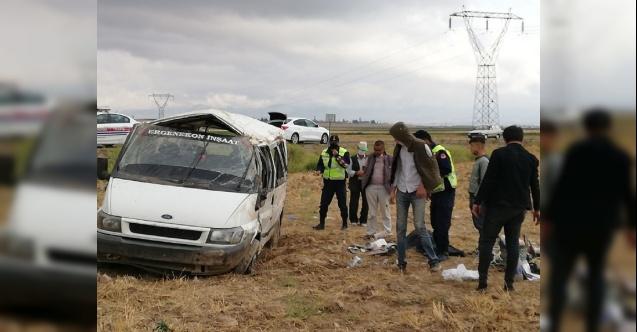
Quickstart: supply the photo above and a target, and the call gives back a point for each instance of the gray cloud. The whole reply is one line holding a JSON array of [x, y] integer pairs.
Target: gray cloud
[[369, 59]]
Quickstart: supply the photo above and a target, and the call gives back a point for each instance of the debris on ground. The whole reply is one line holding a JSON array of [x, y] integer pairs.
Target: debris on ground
[[460, 273], [356, 261], [378, 247]]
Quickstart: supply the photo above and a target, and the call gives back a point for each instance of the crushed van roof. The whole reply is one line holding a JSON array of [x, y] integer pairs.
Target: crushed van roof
[[242, 124]]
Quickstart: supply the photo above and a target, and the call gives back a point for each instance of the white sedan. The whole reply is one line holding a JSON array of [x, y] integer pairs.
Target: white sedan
[[299, 130], [113, 128]]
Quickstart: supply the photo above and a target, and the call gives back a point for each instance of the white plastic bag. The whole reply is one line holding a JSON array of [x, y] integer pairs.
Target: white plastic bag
[[460, 274]]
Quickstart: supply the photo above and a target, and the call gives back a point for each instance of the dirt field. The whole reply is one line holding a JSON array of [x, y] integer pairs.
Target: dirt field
[[305, 284]]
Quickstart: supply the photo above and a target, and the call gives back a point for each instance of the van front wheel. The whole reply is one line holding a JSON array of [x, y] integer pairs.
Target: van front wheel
[[276, 236], [247, 265]]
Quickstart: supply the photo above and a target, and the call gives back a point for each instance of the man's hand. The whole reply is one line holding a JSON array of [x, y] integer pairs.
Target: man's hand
[[317, 173], [421, 192], [360, 173], [476, 210], [392, 196], [536, 217]]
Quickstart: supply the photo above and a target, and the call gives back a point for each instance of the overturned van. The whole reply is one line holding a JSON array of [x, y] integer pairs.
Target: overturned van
[[200, 193]]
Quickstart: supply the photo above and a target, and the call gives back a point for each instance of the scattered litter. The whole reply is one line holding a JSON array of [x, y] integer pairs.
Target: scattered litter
[[378, 247], [460, 274], [380, 243], [525, 269], [528, 260], [356, 261]]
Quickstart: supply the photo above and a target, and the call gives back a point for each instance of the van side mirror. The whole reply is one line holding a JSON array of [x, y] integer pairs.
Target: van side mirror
[[102, 169]]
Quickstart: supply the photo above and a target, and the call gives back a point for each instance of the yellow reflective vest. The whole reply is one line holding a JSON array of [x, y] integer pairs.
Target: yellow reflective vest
[[335, 171], [452, 177]]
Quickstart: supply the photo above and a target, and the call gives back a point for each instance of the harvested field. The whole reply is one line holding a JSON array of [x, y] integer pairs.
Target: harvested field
[[305, 284]]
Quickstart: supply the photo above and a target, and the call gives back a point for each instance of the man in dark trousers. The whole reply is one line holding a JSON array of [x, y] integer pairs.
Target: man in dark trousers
[[505, 195], [355, 171], [443, 197], [585, 210], [332, 164]]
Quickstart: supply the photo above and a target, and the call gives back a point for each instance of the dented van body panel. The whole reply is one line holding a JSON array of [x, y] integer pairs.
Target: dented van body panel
[[200, 193]]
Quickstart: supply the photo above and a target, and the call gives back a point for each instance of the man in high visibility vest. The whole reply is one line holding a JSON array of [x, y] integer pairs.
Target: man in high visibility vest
[[443, 197], [332, 164]]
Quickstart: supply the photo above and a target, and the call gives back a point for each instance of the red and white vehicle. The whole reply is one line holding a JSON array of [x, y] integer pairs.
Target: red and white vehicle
[[113, 128]]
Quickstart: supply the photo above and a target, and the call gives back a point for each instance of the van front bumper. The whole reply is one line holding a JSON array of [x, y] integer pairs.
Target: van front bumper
[[164, 257]]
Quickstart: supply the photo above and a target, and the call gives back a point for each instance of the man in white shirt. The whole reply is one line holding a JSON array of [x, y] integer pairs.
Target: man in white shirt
[[409, 189]]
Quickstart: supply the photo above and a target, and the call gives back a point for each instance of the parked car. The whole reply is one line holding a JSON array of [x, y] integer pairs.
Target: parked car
[[113, 128], [201, 193], [298, 130], [277, 119], [492, 132]]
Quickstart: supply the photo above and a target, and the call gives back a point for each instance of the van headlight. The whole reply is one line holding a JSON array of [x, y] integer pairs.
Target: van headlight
[[109, 223], [226, 236]]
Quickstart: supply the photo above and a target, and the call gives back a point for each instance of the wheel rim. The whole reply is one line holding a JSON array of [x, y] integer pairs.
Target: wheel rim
[[324, 139], [295, 138]]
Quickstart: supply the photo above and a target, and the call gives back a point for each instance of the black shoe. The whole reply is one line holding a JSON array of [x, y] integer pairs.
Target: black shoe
[[319, 227], [443, 257], [509, 288], [482, 287], [402, 267], [344, 227]]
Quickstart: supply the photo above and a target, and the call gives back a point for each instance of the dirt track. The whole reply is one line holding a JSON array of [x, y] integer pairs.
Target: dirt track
[[304, 284]]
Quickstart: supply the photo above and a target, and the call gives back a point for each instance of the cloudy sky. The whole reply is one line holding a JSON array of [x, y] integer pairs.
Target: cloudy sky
[[382, 60]]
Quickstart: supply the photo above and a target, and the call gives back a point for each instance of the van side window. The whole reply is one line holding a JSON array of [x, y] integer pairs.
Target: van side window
[[264, 171], [268, 167], [284, 155], [278, 161]]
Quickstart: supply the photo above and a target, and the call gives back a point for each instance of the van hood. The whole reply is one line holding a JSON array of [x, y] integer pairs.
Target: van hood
[[177, 205]]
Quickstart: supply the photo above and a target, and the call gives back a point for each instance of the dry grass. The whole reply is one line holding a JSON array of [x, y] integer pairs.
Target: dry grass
[[304, 284]]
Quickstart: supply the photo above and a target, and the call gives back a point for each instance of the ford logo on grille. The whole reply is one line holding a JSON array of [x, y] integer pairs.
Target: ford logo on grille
[[166, 216]]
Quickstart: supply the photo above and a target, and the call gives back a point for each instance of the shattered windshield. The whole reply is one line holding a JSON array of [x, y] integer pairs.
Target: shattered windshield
[[199, 159]]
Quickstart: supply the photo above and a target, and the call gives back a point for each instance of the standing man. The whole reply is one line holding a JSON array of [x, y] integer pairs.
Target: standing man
[[414, 174], [505, 193], [355, 171], [377, 187], [333, 164], [477, 147], [592, 199], [443, 197]]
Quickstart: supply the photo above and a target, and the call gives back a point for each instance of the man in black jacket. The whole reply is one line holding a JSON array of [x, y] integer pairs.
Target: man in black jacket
[[584, 213], [510, 182]]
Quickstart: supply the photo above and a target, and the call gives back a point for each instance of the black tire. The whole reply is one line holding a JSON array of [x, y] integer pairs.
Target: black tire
[[248, 264], [276, 236], [295, 139], [324, 139]]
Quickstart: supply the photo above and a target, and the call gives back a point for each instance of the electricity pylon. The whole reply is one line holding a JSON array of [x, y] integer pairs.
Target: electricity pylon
[[161, 100], [485, 104]]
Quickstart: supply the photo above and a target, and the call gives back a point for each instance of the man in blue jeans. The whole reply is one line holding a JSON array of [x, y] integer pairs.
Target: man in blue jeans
[[414, 174]]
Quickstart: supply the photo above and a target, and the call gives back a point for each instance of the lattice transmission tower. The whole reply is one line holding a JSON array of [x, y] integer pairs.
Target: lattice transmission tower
[[485, 104], [161, 100]]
